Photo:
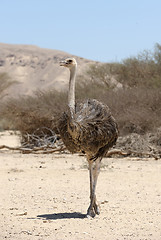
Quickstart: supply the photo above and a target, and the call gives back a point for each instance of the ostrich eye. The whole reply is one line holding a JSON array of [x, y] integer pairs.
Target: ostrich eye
[[69, 61]]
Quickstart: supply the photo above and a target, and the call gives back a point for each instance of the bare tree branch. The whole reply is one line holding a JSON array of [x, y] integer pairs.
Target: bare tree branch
[[130, 152], [36, 150], [62, 148]]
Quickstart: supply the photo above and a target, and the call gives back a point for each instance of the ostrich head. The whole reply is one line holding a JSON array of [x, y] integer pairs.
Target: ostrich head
[[69, 63]]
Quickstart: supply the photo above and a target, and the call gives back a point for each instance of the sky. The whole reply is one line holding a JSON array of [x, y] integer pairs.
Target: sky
[[100, 30]]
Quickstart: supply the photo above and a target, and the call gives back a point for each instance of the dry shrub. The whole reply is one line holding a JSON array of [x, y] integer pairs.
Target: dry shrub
[[28, 114], [137, 110]]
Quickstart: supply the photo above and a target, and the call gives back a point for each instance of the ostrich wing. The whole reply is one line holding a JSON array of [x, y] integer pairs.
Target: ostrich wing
[[65, 135], [93, 129]]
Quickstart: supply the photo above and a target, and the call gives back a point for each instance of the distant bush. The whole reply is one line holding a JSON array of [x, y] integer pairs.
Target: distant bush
[[142, 70], [27, 114], [137, 110]]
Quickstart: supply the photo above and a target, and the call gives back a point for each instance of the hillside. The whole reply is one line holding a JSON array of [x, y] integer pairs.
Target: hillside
[[35, 68]]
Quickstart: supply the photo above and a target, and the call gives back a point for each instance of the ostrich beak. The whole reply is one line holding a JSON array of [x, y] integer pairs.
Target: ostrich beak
[[62, 63]]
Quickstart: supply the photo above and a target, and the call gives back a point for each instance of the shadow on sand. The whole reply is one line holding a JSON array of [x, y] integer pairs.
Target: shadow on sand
[[56, 216]]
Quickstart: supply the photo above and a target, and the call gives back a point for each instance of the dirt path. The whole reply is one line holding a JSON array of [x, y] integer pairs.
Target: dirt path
[[47, 196]]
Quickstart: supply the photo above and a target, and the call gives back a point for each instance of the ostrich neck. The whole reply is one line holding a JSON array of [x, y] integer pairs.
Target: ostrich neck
[[71, 93]]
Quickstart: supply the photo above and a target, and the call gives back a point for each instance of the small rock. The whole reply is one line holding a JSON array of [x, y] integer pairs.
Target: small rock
[[21, 214]]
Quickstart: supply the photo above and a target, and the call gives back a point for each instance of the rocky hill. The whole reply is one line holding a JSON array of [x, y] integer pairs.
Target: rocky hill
[[35, 68]]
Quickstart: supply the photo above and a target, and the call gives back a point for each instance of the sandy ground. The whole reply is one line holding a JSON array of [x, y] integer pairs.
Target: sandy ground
[[47, 196]]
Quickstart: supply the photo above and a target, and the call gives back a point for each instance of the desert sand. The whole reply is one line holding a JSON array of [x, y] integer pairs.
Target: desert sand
[[47, 196]]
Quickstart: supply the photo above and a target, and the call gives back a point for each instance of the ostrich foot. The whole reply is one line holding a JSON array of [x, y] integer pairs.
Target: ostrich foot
[[93, 211]]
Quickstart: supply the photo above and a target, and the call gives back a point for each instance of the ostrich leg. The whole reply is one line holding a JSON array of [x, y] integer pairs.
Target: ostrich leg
[[94, 169]]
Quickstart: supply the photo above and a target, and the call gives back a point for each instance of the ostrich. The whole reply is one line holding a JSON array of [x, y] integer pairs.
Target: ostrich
[[89, 128]]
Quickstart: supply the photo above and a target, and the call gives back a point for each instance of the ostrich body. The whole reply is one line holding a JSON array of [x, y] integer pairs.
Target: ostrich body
[[87, 127]]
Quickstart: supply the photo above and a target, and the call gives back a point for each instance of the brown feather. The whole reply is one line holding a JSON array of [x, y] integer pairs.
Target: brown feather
[[92, 130]]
